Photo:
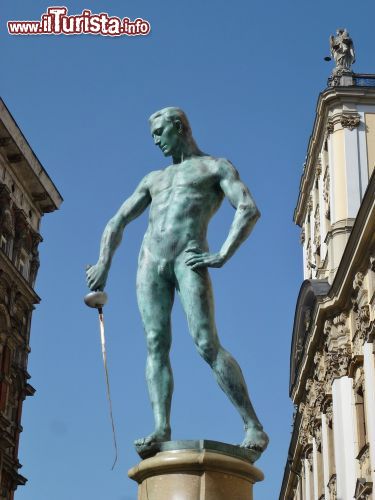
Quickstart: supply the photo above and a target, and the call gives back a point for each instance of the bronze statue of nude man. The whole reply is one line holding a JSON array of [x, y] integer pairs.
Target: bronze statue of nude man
[[175, 256]]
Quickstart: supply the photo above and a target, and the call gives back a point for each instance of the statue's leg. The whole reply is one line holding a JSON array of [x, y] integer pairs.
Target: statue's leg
[[197, 299], [155, 296]]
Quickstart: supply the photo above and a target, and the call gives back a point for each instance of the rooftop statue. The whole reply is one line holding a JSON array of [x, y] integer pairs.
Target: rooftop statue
[[175, 256], [342, 51]]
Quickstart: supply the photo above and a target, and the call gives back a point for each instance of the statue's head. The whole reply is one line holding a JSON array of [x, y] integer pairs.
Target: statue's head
[[170, 130]]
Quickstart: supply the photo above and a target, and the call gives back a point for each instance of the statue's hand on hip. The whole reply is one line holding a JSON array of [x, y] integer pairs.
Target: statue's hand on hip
[[203, 259], [96, 276]]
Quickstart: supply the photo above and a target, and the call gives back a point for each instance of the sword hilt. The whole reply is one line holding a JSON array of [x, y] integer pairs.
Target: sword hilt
[[96, 300]]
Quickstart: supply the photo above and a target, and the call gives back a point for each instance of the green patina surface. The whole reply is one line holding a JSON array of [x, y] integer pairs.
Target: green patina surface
[[175, 257]]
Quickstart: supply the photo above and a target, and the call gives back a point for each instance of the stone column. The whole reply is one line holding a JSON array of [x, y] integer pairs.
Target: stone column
[[344, 432], [198, 473], [317, 471], [309, 481], [300, 488]]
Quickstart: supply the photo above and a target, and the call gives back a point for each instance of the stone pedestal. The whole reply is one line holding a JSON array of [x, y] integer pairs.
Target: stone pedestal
[[196, 471]]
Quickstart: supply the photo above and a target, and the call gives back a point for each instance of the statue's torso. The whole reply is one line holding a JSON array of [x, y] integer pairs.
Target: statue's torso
[[184, 198]]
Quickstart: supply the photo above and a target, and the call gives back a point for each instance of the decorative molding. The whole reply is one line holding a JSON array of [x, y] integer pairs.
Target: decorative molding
[[358, 282], [339, 361], [329, 127], [358, 342], [318, 434], [350, 120], [361, 312], [317, 358], [317, 227], [329, 412], [340, 319], [309, 384], [363, 487], [332, 487], [358, 374], [305, 435], [309, 458], [326, 197], [327, 327], [309, 205], [318, 168], [340, 334], [334, 80], [311, 411], [338, 349], [307, 319], [6, 211], [363, 490], [320, 372], [309, 257]]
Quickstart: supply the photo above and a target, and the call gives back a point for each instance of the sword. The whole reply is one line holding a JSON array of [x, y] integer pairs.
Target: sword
[[97, 300]]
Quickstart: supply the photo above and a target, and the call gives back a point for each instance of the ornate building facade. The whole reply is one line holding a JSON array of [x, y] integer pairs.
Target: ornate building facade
[[26, 194], [332, 365]]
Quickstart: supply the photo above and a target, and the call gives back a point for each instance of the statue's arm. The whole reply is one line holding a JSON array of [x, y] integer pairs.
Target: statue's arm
[[244, 220], [112, 235], [246, 214]]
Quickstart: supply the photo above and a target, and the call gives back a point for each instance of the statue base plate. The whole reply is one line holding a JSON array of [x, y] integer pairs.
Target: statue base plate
[[148, 451], [196, 470]]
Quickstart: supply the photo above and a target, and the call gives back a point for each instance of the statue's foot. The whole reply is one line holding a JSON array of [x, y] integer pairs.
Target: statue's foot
[[152, 439], [255, 439]]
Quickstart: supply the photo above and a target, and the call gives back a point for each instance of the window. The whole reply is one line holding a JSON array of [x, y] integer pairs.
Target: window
[[23, 264], [4, 371], [4, 244]]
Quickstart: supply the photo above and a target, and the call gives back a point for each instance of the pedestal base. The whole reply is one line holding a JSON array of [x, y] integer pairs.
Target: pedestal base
[[195, 474]]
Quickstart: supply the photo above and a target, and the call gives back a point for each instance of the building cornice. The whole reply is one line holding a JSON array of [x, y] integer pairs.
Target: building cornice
[[326, 100], [25, 164]]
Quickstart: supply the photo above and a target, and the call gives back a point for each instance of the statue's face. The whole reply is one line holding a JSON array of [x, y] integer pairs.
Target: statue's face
[[166, 135]]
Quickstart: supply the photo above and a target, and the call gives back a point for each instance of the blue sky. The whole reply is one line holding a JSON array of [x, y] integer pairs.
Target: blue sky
[[248, 75]]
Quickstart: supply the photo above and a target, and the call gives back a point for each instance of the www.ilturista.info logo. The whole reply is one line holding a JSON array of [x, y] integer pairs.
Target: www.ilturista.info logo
[[57, 22]]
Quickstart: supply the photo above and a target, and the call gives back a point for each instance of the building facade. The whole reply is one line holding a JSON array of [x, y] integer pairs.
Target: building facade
[[26, 194], [332, 365]]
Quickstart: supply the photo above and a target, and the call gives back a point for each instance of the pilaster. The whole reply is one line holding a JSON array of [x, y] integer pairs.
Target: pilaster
[[344, 429]]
